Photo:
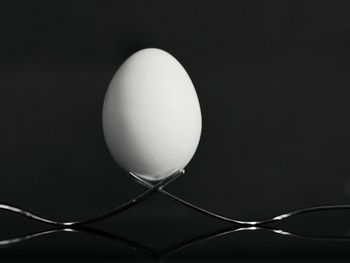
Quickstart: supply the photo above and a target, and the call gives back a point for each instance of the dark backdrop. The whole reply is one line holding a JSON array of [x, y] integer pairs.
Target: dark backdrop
[[272, 78]]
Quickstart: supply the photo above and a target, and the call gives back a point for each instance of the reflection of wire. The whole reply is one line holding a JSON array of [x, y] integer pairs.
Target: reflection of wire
[[230, 230], [158, 188], [173, 248], [87, 230]]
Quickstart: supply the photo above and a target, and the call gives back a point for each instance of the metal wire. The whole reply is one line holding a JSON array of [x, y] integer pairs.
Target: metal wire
[[158, 187]]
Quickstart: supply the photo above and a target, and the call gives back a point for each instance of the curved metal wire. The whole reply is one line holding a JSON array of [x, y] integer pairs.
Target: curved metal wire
[[127, 205], [203, 211], [158, 187]]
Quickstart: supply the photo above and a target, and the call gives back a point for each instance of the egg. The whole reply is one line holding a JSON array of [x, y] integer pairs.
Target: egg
[[151, 115]]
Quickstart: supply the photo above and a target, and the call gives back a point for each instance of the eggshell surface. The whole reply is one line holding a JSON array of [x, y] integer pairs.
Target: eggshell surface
[[151, 115]]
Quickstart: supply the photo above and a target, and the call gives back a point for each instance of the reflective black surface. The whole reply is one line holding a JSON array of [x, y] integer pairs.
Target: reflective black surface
[[176, 233]]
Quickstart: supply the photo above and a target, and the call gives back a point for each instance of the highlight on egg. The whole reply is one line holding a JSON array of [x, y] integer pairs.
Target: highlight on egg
[[151, 115]]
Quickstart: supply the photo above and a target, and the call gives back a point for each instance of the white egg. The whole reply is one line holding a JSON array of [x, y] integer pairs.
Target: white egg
[[151, 115]]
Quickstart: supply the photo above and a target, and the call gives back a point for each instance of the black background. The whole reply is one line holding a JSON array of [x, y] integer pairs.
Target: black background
[[272, 79]]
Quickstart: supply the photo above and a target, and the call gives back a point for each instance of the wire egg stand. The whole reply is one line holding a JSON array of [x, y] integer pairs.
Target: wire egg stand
[[153, 188]]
